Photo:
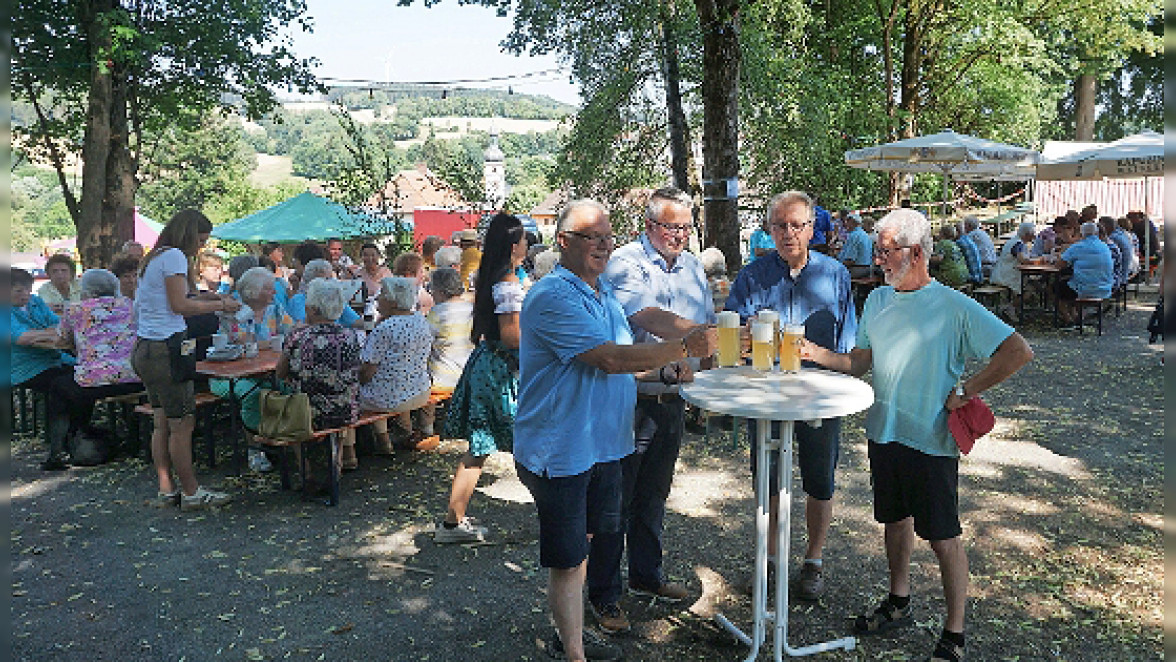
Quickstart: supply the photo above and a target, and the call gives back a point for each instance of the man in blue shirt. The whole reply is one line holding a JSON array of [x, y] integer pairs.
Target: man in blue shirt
[[809, 288], [575, 409], [663, 291], [916, 336], [1118, 236], [822, 227], [1094, 272], [971, 258], [858, 252]]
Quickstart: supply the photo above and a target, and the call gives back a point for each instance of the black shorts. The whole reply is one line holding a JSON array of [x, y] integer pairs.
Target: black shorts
[[910, 483], [571, 507], [1064, 291]]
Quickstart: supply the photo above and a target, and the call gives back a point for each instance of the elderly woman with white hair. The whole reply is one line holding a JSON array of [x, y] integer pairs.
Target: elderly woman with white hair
[[1015, 251], [322, 360], [100, 329], [452, 319], [314, 270], [395, 372], [261, 318]]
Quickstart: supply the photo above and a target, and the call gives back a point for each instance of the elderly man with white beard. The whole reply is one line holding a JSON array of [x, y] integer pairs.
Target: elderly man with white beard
[[916, 336]]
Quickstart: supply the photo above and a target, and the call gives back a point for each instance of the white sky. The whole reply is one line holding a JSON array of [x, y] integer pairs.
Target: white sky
[[378, 40]]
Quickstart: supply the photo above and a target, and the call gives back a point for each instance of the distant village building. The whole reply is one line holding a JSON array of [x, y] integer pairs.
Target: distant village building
[[418, 187], [494, 173]]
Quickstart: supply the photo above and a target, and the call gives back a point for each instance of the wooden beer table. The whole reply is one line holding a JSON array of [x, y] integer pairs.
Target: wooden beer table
[[809, 395], [261, 365]]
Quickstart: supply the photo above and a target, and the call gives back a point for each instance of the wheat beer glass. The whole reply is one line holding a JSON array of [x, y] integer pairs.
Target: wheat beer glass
[[728, 327], [769, 316], [763, 346], [790, 336]]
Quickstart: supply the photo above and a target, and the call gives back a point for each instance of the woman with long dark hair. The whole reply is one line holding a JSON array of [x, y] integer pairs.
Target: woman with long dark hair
[[163, 355], [485, 399]]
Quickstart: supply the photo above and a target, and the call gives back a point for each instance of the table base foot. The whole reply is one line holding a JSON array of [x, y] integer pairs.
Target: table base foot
[[848, 643]]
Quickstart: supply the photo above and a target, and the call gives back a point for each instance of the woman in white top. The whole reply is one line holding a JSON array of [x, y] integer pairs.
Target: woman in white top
[[162, 356], [1015, 251], [395, 372], [484, 402]]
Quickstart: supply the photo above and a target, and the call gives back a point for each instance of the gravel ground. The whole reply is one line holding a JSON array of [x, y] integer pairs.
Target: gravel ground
[[1062, 514]]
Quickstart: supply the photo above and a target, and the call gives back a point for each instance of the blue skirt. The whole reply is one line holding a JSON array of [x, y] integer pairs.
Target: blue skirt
[[485, 400]]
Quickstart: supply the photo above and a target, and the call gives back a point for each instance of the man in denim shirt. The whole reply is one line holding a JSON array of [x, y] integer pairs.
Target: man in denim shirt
[[809, 288]]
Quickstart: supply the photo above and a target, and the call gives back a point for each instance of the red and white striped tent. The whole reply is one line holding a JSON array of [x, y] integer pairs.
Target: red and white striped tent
[[1118, 177]]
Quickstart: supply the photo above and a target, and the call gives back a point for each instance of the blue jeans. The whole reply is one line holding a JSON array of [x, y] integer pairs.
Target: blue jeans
[[647, 475]]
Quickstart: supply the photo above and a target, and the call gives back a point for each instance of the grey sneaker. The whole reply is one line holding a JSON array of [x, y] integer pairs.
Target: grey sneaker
[[809, 582], [203, 498], [258, 462], [596, 647], [165, 499], [465, 531]]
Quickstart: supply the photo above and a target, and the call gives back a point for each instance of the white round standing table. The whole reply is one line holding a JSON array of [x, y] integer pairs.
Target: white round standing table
[[809, 395]]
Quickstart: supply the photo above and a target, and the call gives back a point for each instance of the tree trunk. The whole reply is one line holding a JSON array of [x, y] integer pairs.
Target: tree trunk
[[96, 139], [118, 210], [1085, 95], [679, 130], [719, 20]]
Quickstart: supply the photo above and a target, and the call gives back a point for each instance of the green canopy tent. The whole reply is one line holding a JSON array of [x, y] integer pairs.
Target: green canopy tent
[[305, 216]]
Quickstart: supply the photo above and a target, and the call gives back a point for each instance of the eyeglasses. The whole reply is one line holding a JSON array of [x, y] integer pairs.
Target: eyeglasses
[[796, 228], [884, 253], [604, 239], [684, 228]]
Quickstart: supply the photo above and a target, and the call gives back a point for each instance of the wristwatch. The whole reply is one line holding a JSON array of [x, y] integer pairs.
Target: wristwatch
[[959, 390]]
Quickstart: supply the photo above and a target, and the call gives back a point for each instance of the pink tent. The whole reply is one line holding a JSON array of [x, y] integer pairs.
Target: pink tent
[[146, 230]]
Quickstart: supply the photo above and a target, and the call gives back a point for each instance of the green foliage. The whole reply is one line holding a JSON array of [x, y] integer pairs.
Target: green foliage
[[38, 209], [187, 168]]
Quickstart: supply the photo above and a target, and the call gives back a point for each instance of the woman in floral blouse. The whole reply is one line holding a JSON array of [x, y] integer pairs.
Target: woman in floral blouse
[[100, 329], [321, 360]]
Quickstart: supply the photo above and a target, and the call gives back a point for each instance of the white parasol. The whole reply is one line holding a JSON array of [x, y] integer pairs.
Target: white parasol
[[950, 154], [1141, 155]]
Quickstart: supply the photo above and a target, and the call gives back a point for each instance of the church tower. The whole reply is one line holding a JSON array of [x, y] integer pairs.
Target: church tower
[[494, 173]]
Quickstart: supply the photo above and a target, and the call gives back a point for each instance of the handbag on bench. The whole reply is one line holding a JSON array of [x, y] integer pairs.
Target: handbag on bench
[[285, 418]]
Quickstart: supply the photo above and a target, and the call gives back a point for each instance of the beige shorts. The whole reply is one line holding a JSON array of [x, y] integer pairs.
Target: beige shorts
[[153, 365]]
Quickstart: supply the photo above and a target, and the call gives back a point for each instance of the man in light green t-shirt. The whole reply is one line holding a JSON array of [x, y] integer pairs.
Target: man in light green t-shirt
[[916, 336]]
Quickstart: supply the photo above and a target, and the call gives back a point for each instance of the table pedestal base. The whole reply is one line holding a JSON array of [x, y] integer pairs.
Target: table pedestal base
[[761, 616]]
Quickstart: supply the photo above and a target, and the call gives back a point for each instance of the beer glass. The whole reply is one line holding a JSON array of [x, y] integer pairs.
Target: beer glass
[[790, 336], [728, 328], [763, 346], [769, 316]]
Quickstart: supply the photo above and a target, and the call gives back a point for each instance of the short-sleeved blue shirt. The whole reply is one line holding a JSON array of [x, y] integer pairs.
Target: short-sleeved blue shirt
[[819, 297], [822, 226], [858, 248], [760, 239], [1126, 250], [571, 415], [28, 362], [296, 307], [1093, 267], [640, 279], [920, 343]]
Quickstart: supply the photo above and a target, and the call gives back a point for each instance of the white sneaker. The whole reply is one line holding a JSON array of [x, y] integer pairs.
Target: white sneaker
[[203, 498], [465, 531], [259, 462]]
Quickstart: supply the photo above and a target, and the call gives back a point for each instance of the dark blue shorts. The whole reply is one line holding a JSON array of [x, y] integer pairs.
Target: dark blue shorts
[[817, 450], [910, 483], [571, 507]]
